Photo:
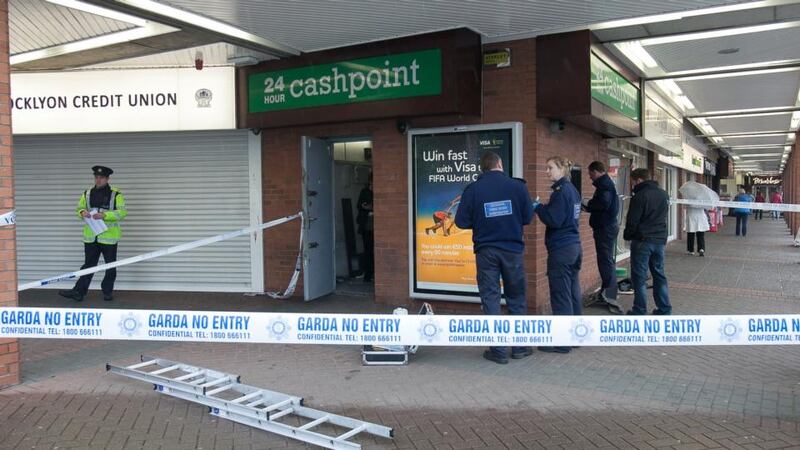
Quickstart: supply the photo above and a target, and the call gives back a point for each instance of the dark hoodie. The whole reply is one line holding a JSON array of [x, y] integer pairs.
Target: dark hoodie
[[647, 214], [604, 205]]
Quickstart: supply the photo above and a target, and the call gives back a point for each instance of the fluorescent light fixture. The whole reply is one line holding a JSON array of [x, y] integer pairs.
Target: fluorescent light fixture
[[216, 26], [638, 55], [686, 102], [749, 112], [718, 140], [747, 73], [741, 136], [682, 14], [100, 11], [670, 87], [757, 155], [795, 119], [719, 33], [735, 158], [152, 29], [709, 129]]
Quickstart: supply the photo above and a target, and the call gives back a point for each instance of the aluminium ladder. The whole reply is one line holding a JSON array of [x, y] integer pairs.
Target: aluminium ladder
[[226, 397]]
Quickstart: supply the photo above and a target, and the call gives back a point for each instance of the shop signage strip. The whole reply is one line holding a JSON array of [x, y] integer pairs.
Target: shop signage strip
[[177, 249], [613, 90], [7, 219], [748, 205], [385, 77], [386, 329]]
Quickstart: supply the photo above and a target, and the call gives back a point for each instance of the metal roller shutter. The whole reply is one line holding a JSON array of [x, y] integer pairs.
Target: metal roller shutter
[[179, 187]]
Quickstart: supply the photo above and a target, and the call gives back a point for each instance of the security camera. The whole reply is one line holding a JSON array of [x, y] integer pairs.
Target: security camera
[[402, 126], [557, 126]]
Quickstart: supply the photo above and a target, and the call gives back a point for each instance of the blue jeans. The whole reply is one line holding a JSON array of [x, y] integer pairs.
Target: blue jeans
[[605, 241], [741, 224], [644, 256], [494, 264]]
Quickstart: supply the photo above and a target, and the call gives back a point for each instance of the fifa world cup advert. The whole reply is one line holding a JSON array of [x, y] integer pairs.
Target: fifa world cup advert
[[442, 165]]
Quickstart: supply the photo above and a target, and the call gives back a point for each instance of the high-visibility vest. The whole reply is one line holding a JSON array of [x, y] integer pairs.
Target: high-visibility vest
[[113, 216]]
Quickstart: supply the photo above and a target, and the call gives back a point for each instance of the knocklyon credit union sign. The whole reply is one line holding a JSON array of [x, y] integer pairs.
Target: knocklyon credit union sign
[[613, 90], [387, 77]]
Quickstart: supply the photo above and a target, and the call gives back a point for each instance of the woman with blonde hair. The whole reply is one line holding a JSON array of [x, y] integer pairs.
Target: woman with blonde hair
[[563, 242]]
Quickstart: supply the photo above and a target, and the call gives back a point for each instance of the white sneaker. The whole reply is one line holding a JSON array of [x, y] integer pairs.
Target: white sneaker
[[690, 253]]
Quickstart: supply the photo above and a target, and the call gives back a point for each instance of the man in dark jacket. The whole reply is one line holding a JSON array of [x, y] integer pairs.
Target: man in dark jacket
[[604, 220], [646, 228], [495, 208]]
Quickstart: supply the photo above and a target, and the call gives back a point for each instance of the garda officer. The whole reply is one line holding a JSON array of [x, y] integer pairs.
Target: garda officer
[[495, 208], [563, 243], [102, 202]]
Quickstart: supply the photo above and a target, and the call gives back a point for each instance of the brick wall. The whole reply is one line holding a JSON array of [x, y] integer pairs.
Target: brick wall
[[9, 349], [791, 186], [508, 95]]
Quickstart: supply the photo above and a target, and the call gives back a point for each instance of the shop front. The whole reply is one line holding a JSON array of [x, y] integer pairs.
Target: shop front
[[186, 173], [424, 108]]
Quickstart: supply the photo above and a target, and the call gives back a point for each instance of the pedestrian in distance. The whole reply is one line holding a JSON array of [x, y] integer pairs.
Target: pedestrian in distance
[[777, 197], [496, 207], [646, 228], [603, 210], [560, 216], [742, 214], [759, 213], [101, 202], [696, 224]]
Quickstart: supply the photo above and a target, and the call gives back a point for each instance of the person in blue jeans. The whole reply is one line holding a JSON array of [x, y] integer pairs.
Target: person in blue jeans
[[742, 214], [563, 243], [496, 207], [646, 228]]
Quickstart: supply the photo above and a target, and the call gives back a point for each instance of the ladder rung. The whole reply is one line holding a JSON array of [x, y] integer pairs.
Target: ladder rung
[[189, 376], [251, 404], [249, 396], [142, 364], [198, 381], [277, 405], [220, 389], [314, 423], [215, 382], [164, 370], [280, 414], [352, 433]]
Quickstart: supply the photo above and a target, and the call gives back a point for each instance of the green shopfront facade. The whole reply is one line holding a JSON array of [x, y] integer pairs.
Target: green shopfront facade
[[380, 91]]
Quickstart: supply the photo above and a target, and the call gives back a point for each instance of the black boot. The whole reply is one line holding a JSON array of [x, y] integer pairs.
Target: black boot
[[73, 294]]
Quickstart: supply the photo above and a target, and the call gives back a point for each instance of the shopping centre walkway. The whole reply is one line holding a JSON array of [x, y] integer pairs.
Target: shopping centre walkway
[[658, 397]]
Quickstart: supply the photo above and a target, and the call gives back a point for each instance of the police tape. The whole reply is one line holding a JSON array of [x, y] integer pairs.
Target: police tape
[[377, 329], [784, 207], [184, 247], [9, 218]]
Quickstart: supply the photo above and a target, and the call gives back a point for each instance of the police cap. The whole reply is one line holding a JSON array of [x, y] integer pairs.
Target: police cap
[[102, 171]]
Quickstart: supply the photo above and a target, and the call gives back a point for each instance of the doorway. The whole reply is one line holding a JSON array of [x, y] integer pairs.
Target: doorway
[[337, 200]]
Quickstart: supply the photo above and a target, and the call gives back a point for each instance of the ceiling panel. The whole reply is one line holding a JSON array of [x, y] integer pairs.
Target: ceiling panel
[[778, 45], [756, 123], [759, 140], [742, 92], [36, 24], [312, 24]]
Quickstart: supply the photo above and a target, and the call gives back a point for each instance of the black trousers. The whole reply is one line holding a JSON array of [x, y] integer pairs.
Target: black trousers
[[701, 241], [759, 214], [92, 252], [369, 255], [605, 242]]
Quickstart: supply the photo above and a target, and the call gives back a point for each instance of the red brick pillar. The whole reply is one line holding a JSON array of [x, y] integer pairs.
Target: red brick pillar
[[9, 349]]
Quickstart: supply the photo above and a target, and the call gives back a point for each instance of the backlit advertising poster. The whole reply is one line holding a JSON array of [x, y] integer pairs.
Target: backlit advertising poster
[[442, 162]]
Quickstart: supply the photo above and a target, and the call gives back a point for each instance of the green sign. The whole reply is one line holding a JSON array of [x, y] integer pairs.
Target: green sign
[[613, 90], [379, 78]]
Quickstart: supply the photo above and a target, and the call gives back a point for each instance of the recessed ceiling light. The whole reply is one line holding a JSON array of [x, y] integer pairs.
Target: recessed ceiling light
[[728, 51]]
